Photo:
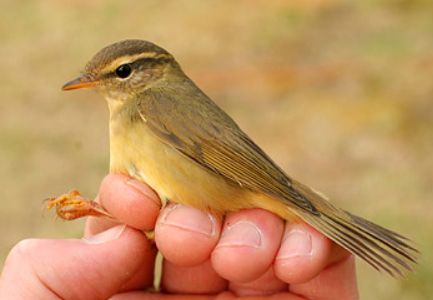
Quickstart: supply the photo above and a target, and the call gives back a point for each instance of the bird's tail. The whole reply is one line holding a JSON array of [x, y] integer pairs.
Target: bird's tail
[[383, 249]]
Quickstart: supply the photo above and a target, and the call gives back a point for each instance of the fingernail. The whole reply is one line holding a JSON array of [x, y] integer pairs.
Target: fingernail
[[189, 219], [106, 236], [297, 243], [143, 189], [241, 234]]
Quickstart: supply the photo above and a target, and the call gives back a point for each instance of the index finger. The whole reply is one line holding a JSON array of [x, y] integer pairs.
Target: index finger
[[129, 201]]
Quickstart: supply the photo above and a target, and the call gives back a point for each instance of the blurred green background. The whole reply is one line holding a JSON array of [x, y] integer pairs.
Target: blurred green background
[[339, 93]]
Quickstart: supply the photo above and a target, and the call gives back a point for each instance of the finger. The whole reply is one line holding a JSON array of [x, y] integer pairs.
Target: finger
[[94, 268], [337, 281], [304, 252], [129, 201], [199, 279], [221, 296], [154, 296], [267, 284], [248, 245], [186, 236]]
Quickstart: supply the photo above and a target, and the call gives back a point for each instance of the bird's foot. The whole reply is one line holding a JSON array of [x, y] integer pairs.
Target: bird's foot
[[72, 206]]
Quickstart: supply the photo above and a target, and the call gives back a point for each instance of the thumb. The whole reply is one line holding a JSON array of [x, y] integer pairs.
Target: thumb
[[92, 268]]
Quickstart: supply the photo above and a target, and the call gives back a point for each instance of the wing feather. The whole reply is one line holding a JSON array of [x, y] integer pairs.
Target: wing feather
[[200, 130]]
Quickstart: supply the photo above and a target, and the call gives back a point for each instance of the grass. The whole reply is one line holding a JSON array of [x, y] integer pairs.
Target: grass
[[338, 93]]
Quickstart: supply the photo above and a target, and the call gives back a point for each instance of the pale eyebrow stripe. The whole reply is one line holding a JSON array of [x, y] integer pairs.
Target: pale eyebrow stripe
[[131, 58]]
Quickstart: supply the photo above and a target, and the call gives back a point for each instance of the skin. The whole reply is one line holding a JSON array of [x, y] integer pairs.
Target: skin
[[292, 261]]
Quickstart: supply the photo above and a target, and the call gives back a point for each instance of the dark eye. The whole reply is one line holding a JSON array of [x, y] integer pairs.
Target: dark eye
[[123, 71]]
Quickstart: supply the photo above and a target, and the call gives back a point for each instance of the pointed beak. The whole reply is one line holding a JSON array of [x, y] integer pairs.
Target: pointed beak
[[82, 82]]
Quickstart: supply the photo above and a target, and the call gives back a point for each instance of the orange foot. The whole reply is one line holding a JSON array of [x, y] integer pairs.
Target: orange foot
[[72, 206]]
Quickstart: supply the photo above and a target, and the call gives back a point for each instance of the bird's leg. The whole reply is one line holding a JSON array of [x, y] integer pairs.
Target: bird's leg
[[72, 206], [164, 201], [150, 234]]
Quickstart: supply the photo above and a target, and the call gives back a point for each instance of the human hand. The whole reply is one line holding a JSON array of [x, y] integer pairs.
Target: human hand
[[251, 253]]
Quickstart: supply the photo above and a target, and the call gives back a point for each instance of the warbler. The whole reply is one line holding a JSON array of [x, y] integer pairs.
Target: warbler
[[168, 133]]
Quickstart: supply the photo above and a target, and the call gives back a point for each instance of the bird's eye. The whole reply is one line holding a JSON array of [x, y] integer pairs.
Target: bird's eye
[[123, 71]]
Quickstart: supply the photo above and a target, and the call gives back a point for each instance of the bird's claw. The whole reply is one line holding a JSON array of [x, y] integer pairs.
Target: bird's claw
[[72, 206]]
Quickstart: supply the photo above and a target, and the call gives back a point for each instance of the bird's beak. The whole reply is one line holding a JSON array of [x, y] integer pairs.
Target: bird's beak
[[82, 82]]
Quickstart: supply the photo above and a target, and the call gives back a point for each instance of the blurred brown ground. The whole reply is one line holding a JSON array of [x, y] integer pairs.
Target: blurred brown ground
[[338, 93]]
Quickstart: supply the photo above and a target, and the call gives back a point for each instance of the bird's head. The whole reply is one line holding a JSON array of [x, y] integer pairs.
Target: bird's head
[[124, 69]]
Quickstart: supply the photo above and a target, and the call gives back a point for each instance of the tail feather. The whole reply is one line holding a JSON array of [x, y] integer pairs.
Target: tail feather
[[391, 235], [368, 242], [382, 248], [355, 246], [375, 242], [392, 239]]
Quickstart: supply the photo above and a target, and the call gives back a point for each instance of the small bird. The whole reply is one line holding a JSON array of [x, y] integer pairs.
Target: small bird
[[168, 133]]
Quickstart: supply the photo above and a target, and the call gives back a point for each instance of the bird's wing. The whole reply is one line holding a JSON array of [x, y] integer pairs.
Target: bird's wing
[[199, 129]]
